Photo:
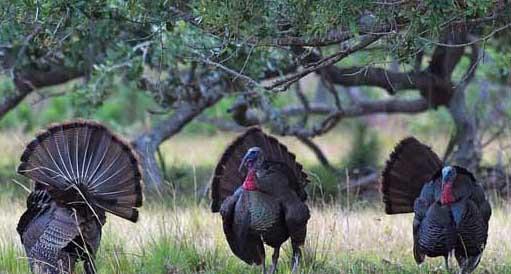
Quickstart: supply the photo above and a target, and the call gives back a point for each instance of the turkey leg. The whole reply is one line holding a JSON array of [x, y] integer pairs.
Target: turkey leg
[[297, 254], [274, 260]]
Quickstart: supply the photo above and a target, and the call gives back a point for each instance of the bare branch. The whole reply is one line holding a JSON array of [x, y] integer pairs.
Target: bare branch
[[235, 74], [335, 36], [317, 151], [331, 88], [365, 108], [462, 45], [305, 102], [327, 61], [334, 115], [332, 37], [373, 76]]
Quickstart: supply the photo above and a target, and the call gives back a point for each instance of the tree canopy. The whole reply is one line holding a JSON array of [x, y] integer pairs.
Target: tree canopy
[[188, 56]]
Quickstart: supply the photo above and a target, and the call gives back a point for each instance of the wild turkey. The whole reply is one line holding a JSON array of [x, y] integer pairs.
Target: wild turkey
[[259, 190], [451, 211], [81, 170]]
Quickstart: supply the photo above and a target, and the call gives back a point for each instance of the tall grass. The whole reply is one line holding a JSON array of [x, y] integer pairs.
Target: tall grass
[[190, 240], [178, 234]]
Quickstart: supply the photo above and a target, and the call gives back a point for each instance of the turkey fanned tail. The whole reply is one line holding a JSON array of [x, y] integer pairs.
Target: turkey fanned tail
[[83, 162], [411, 165]]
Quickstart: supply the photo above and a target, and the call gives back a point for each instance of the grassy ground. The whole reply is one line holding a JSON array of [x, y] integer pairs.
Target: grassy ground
[[190, 240], [173, 236]]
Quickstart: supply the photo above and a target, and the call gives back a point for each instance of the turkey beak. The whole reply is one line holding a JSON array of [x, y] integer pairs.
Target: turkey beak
[[446, 179]]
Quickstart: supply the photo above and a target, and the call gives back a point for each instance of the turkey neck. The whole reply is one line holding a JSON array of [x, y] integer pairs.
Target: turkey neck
[[249, 184], [447, 196]]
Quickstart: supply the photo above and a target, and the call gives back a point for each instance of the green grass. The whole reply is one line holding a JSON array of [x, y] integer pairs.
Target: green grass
[[178, 234], [190, 240]]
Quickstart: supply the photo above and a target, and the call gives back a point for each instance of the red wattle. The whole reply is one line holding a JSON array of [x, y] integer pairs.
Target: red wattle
[[447, 197], [249, 184]]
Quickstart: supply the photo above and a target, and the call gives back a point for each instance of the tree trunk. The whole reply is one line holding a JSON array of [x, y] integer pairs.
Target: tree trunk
[[465, 142], [466, 145], [147, 144]]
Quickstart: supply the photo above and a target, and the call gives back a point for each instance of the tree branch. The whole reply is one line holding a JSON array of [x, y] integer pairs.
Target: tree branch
[[325, 62], [29, 79], [468, 152], [332, 37], [317, 151], [365, 107], [147, 143], [474, 62], [374, 76], [334, 115]]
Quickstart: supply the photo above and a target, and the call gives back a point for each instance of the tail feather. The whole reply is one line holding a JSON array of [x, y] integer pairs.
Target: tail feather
[[411, 165], [86, 156]]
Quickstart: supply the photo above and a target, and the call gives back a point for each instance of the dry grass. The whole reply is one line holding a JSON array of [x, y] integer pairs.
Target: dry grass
[[172, 238], [337, 240]]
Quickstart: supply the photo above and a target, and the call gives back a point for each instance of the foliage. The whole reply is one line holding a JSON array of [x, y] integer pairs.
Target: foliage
[[169, 62], [125, 109], [122, 41]]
